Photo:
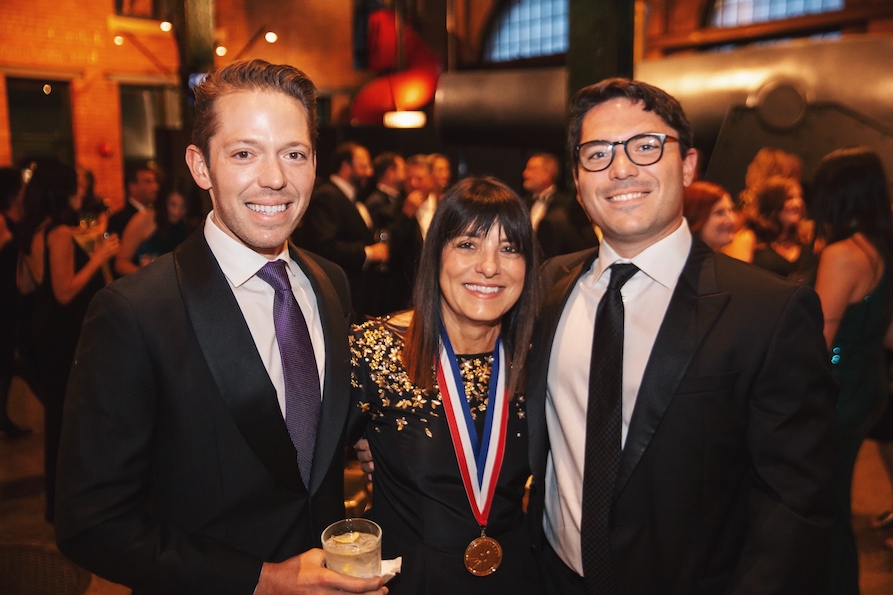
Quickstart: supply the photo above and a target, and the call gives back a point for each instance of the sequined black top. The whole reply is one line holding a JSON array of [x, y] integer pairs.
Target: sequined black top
[[418, 495]]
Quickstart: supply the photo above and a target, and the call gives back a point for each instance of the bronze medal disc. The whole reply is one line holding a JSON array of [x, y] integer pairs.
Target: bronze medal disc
[[483, 556]]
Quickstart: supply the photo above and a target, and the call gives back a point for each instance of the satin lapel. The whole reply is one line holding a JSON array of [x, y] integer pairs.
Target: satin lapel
[[230, 353], [693, 309], [550, 313], [336, 386]]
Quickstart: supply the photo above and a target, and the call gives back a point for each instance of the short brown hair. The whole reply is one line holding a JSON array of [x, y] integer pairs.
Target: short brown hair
[[250, 75], [652, 99]]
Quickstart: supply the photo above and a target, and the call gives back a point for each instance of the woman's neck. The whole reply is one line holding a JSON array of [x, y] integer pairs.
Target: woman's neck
[[467, 338]]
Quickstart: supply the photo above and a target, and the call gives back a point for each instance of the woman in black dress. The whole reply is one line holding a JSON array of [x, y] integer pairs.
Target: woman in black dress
[[439, 393], [75, 267]]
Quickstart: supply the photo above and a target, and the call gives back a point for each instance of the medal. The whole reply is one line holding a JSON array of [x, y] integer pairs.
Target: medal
[[479, 460], [483, 555]]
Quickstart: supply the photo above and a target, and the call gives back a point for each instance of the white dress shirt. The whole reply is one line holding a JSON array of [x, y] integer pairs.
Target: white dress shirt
[[240, 264], [351, 193], [425, 214], [646, 297], [540, 206]]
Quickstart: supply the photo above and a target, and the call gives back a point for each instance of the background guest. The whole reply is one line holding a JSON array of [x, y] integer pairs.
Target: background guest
[[11, 211], [710, 213], [141, 182], [153, 232], [783, 236], [71, 276], [854, 220], [767, 163], [338, 226]]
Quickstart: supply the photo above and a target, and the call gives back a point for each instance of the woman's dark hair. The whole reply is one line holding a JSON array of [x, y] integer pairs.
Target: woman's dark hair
[[10, 185], [851, 196], [472, 206], [698, 201], [185, 188], [47, 195], [769, 200]]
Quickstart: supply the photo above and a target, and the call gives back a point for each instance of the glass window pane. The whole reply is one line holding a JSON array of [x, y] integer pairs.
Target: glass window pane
[[529, 28]]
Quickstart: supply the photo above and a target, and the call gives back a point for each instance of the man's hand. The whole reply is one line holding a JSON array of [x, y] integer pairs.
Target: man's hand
[[306, 574], [413, 201], [377, 252], [364, 454]]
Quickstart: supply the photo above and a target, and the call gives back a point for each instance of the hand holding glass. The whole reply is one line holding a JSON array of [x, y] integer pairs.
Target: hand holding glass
[[353, 547]]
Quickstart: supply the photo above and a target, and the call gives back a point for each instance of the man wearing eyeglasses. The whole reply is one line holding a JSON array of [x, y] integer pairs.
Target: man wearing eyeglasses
[[680, 403]]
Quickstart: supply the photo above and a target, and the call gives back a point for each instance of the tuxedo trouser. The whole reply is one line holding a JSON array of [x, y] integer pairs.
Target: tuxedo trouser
[[558, 577]]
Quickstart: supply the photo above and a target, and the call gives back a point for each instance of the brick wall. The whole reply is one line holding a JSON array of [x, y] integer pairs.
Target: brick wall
[[73, 41]]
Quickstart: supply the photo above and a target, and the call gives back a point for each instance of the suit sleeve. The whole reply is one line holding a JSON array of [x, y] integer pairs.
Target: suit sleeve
[[789, 438], [105, 520]]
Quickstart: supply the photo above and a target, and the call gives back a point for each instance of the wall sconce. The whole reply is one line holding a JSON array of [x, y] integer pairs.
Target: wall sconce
[[269, 37]]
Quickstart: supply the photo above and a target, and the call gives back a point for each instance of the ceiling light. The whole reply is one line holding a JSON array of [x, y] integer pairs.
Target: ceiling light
[[271, 37], [220, 51], [119, 40], [166, 26], [405, 119]]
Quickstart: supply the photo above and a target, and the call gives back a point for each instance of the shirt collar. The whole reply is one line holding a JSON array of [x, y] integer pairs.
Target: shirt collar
[[663, 260], [546, 194], [237, 261], [385, 189], [344, 186], [136, 204]]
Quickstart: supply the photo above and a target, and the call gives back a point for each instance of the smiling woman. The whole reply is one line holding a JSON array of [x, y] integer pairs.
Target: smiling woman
[[440, 403]]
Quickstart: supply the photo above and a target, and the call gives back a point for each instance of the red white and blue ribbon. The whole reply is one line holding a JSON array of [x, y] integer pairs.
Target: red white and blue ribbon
[[479, 459]]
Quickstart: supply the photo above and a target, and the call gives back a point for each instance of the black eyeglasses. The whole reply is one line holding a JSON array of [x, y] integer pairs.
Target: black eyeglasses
[[642, 149]]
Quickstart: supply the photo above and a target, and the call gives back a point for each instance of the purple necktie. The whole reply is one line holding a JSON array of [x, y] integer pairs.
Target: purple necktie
[[603, 435], [302, 392]]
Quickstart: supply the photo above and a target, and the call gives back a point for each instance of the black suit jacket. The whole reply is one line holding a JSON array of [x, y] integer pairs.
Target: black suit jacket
[[176, 471], [118, 221], [333, 228], [724, 483]]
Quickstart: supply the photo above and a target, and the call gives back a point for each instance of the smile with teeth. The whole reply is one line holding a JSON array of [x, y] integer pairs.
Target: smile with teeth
[[482, 288], [267, 209], [626, 197]]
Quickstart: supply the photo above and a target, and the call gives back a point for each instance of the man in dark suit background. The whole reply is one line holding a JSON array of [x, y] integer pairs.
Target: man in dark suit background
[[141, 182], [338, 225], [680, 425], [560, 223], [185, 465]]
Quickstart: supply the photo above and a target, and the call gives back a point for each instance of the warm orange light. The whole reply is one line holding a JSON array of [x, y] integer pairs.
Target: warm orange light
[[405, 119], [119, 40], [166, 26], [220, 51], [271, 37]]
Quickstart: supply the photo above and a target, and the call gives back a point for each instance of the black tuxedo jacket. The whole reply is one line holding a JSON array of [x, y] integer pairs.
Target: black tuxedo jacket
[[118, 221], [177, 473], [724, 483], [333, 228]]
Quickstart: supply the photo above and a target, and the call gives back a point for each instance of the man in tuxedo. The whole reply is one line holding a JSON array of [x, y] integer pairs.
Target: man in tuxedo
[[202, 447], [142, 191], [559, 221], [339, 227], [387, 197], [680, 403]]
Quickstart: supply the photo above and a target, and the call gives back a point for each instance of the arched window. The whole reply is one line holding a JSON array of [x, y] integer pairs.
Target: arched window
[[527, 29], [734, 13]]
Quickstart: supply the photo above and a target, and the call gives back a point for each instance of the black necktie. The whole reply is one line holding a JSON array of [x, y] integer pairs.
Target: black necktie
[[302, 392], [603, 434]]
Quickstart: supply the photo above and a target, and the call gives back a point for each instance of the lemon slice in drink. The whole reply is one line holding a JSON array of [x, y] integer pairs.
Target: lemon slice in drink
[[348, 537]]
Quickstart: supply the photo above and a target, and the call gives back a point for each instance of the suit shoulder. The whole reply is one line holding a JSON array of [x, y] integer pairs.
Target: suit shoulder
[[563, 262]]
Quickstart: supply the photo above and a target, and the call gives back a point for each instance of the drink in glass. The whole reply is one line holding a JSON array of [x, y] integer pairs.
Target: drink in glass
[[353, 546]]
